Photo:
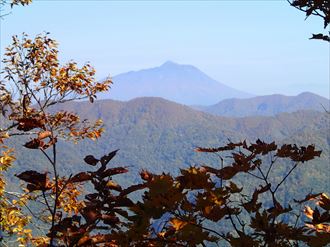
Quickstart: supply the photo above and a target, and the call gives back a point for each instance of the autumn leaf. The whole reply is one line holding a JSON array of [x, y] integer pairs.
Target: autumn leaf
[[112, 171], [132, 188], [34, 144], [44, 134], [27, 124], [324, 202], [253, 205], [178, 224], [111, 185], [106, 158], [145, 175], [308, 212], [91, 160], [35, 180], [233, 188], [227, 172], [81, 177]]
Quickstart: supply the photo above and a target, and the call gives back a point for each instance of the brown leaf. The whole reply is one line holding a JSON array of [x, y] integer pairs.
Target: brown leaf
[[112, 171], [233, 188], [91, 160], [81, 177], [90, 214], [111, 185], [261, 147], [27, 124], [229, 146], [32, 176], [308, 197], [227, 172], [132, 188], [109, 219], [44, 134], [278, 210], [34, 144], [84, 241], [215, 213], [36, 180], [145, 175], [210, 169], [106, 158], [321, 37], [253, 205], [48, 144], [123, 202]]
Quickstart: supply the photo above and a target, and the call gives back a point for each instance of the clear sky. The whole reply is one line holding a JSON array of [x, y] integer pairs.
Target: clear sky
[[261, 47]]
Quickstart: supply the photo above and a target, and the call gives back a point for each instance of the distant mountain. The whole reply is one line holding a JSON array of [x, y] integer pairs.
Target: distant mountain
[[268, 105], [183, 84], [159, 135]]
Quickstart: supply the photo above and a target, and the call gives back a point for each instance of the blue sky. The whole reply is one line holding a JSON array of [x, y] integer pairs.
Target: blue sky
[[261, 47]]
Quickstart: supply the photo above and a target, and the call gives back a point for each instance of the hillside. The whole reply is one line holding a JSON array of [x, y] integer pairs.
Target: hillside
[[183, 84], [268, 105], [159, 135]]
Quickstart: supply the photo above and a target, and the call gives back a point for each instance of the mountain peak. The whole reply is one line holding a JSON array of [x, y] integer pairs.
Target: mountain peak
[[172, 66], [180, 83], [269, 105], [169, 63], [307, 94]]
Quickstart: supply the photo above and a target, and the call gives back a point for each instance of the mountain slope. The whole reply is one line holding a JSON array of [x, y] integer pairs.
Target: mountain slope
[[159, 135], [268, 105], [183, 84]]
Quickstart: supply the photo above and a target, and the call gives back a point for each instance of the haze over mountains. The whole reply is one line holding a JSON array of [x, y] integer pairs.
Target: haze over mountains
[[268, 105], [184, 84]]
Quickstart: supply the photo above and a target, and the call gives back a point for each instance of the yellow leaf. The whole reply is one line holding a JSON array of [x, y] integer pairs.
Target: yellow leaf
[[309, 212], [178, 224]]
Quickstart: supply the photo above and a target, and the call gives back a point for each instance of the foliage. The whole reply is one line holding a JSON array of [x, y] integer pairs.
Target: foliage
[[11, 218], [183, 204], [173, 210], [319, 8], [100, 211], [12, 3], [32, 69], [177, 211], [20, 2]]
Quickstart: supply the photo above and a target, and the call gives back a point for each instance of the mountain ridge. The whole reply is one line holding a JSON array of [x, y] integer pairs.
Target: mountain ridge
[[267, 105]]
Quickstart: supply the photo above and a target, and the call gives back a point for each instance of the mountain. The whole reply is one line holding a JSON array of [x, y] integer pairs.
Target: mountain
[[183, 84], [268, 105], [159, 135]]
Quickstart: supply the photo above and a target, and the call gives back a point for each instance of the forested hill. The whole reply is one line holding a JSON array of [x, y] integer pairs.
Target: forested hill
[[159, 135], [268, 105]]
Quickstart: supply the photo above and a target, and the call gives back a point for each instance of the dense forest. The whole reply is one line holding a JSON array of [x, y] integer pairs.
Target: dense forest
[[163, 174]]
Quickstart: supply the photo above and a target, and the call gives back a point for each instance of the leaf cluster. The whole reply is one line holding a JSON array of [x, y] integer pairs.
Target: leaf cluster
[[320, 8], [173, 210], [33, 81], [178, 211]]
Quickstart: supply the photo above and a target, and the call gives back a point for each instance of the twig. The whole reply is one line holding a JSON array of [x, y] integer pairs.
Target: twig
[[296, 164]]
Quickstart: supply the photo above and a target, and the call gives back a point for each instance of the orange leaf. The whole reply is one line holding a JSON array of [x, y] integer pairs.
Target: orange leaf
[[178, 224]]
